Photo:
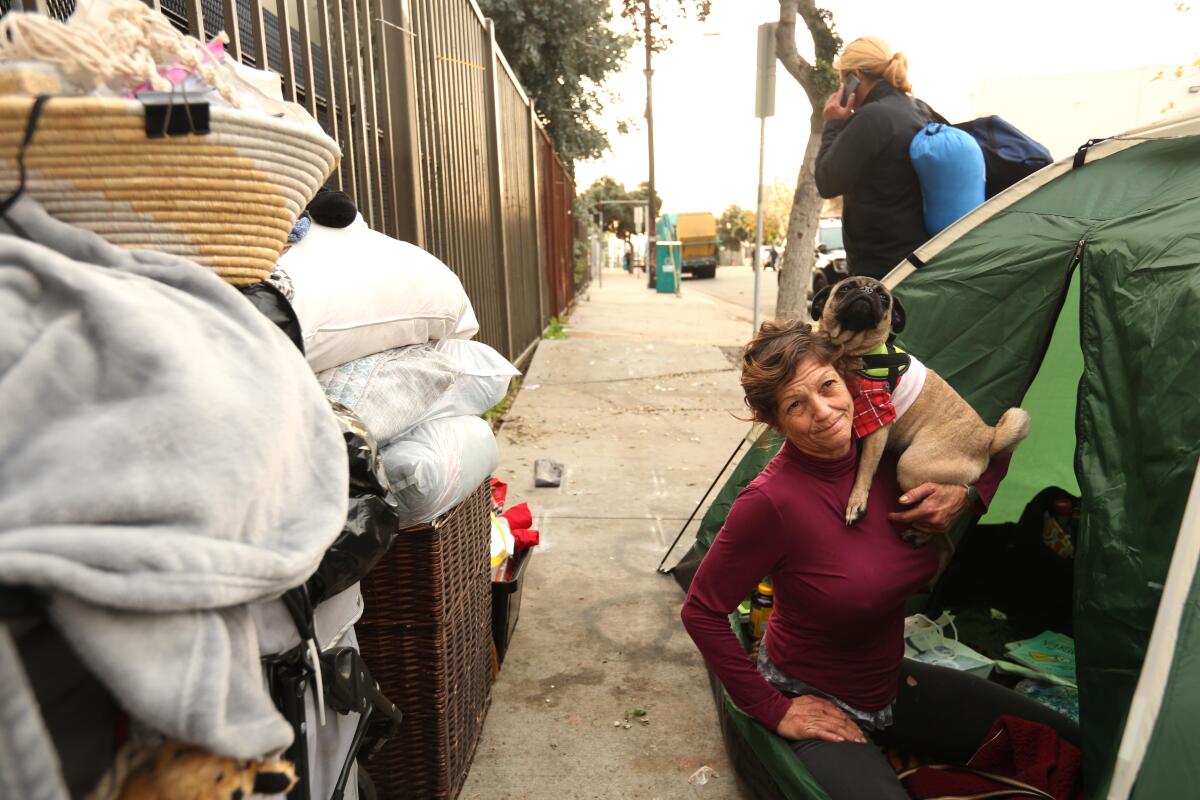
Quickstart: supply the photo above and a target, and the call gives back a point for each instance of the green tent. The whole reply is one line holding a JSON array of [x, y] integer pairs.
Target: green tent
[[1076, 294]]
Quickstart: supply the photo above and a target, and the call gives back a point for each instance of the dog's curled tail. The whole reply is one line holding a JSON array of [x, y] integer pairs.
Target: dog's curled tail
[[1009, 431]]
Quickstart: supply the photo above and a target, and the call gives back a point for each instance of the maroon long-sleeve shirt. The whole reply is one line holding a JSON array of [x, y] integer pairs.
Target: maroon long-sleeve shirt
[[838, 618]]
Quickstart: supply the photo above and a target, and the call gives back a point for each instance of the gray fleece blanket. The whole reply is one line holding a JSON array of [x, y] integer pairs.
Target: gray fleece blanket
[[166, 458]]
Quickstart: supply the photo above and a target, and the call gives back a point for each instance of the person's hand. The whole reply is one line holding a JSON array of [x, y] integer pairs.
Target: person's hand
[[811, 717], [936, 507], [834, 108]]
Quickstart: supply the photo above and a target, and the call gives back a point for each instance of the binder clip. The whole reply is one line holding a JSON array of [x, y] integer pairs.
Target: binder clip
[[165, 117]]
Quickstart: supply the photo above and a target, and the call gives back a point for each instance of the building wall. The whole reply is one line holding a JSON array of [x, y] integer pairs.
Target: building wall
[[1064, 111]]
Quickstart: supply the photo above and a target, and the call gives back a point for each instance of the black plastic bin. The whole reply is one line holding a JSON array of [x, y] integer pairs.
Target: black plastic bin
[[506, 603]]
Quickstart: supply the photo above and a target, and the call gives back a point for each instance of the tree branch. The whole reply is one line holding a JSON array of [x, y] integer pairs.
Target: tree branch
[[797, 66], [785, 43]]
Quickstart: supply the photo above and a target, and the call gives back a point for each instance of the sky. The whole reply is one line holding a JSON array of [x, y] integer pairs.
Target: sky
[[706, 134]]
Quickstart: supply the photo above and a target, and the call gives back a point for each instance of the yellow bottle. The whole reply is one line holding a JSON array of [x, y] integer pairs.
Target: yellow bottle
[[760, 609]]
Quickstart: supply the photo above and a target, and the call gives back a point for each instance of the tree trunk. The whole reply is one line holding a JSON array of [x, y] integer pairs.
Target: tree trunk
[[795, 276]]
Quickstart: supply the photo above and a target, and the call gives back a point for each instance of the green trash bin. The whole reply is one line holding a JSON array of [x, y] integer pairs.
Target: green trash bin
[[666, 266]]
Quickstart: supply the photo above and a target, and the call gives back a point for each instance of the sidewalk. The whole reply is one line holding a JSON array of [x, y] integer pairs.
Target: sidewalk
[[637, 403]]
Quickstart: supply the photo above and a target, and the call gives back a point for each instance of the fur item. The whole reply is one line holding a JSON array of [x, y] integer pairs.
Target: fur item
[[182, 772]]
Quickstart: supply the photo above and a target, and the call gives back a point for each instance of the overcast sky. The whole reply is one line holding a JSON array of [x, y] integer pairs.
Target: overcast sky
[[706, 135]]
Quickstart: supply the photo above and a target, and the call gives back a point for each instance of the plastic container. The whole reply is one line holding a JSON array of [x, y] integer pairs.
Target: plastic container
[[506, 603], [760, 609]]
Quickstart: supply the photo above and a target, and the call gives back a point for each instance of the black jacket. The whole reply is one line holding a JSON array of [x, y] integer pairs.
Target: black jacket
[[866, 159]]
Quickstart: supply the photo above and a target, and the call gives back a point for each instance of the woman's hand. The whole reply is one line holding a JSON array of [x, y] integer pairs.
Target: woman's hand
[[812, 717], [834, 108], [937, 507]]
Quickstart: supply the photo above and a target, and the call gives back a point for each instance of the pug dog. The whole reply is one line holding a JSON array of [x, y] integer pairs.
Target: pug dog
[[939, 436]]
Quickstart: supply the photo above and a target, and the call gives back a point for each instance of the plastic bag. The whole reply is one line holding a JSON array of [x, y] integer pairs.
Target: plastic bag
[[271, 297], [371, 520], [925, 641], [437, 464], [398, 389], [483, 381]]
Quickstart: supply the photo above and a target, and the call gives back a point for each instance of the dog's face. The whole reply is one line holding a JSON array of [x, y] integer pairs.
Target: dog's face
[[858, 313]]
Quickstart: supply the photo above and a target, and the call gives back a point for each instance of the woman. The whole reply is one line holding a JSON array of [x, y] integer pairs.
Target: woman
[[831, 665], [864, 156]]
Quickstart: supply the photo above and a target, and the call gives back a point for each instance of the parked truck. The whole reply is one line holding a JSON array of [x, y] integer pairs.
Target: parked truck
[[697, 231]]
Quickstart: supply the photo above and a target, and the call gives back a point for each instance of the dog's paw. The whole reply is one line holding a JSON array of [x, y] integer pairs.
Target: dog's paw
[[856, 509]]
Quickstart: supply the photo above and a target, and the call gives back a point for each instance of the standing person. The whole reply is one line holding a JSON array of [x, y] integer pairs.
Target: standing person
[[831, 667], [773, 258], [864, 157]]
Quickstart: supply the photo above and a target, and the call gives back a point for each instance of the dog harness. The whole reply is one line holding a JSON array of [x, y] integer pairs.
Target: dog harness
[[887, 385]]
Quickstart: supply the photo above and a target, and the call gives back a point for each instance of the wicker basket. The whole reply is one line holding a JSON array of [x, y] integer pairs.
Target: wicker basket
[[226, 200], [426, 634]]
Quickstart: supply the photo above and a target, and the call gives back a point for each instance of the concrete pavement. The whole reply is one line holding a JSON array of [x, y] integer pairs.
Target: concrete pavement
[[638, 404]]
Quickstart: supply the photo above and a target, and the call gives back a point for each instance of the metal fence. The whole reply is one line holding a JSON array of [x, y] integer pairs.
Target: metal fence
[[440, 145]]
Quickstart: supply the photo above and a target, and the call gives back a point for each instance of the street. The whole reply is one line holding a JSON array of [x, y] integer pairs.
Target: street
[[735, 285]]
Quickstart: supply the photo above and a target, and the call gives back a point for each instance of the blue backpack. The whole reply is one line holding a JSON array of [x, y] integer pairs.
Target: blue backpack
[[950, 166], [1009, 154]]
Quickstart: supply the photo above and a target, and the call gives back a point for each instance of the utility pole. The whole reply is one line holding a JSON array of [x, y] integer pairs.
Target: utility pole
[[652, 223]]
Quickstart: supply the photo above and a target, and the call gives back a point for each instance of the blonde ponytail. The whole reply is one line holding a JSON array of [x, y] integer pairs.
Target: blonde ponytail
[[872, 55], [896, 72]]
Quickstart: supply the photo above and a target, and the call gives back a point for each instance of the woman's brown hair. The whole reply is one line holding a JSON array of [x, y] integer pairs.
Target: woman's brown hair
[[770, 359]]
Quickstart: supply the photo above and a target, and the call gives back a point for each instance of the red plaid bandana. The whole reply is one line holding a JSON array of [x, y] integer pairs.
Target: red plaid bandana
[[872, 406]]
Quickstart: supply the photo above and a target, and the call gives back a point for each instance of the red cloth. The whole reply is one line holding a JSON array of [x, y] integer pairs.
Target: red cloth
[[519, 516], [1015, 748], [499, 493], [525, 539], [519, 519], [872, 407]]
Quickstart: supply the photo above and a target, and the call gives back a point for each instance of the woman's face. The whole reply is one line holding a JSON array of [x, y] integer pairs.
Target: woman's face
[[814, 410]]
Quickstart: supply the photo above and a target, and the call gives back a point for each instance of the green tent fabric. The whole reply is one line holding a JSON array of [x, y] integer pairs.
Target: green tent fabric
[[986, 309], [1076, 293], [1047, 457]]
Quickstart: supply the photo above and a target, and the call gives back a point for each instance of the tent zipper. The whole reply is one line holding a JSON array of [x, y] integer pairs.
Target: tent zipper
[[1077, 460]]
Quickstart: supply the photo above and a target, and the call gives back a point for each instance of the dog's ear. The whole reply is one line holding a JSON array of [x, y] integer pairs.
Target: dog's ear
[[818, 303], [899, 318]]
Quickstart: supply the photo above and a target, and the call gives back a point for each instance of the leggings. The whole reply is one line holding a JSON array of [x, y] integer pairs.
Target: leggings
[[944, 715]]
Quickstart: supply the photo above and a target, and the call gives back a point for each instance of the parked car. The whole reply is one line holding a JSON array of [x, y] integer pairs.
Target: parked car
[[830, 264]]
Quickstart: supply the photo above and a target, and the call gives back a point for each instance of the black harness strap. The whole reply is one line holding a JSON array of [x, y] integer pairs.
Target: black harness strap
[[894, 361]]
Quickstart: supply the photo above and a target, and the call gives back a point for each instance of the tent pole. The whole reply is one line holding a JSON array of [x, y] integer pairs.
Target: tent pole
[[696, 510]]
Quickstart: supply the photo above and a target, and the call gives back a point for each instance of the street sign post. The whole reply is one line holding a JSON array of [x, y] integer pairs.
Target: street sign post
[[764, 106]]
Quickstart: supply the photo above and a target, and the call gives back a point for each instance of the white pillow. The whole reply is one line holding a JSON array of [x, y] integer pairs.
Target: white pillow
[[358, 292]]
